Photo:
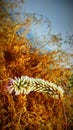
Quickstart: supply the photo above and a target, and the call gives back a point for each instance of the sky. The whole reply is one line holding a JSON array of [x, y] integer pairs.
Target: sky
[[59, 12]]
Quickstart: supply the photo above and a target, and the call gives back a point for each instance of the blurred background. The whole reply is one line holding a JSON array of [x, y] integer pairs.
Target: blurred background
[[59, 12]]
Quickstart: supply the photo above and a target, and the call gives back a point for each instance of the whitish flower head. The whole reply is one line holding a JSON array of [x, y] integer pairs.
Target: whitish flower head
[[25, 85], [20, 85]]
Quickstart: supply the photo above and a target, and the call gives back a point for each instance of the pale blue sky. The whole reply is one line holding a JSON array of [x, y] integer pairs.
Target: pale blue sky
[[60, 13]]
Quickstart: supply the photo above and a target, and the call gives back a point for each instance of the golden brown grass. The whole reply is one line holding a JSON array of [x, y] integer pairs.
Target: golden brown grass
[[35, 111]]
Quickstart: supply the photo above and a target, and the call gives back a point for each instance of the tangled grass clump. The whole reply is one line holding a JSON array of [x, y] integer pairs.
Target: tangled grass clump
[[30, 108]]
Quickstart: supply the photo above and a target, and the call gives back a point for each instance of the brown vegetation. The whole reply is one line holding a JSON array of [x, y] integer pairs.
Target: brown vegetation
[[35, 111]]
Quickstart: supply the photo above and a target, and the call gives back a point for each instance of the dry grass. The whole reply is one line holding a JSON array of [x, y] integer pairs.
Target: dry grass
[[35, 111]]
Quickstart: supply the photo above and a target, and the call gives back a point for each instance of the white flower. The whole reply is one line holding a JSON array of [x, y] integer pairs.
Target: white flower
[[25, 85]]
